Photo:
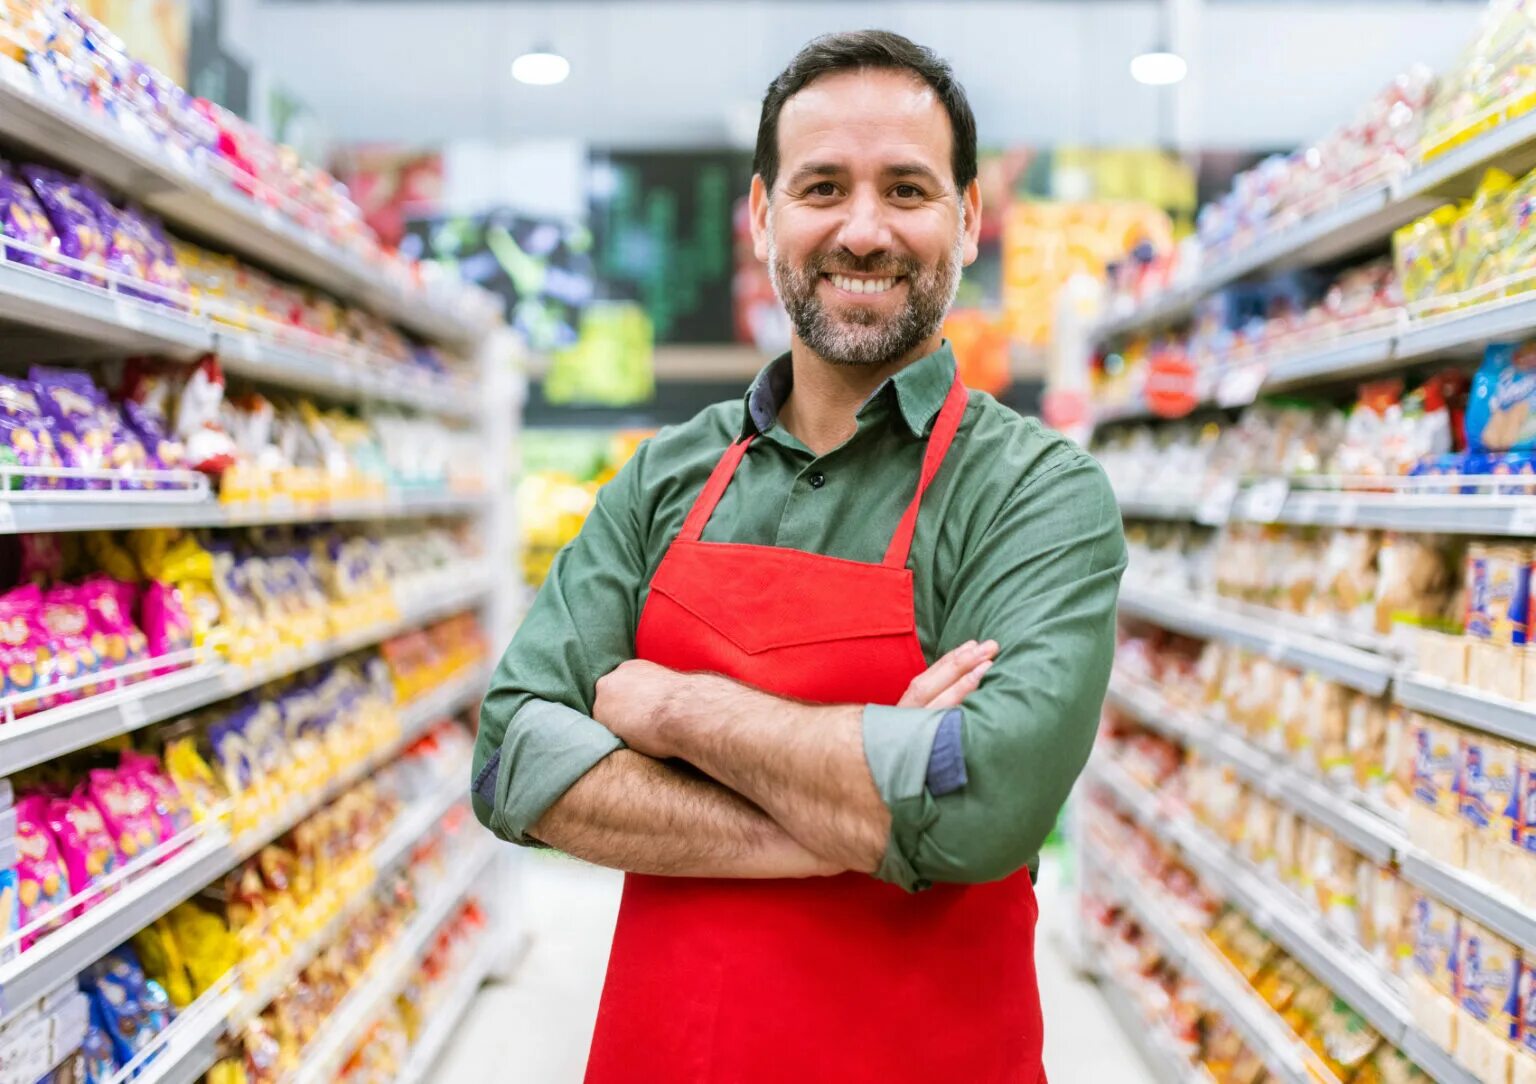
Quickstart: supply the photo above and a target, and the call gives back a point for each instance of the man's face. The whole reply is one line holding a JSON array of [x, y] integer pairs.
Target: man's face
[[864, 233]]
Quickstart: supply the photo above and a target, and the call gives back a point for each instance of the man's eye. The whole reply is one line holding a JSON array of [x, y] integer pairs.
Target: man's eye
[[908, 191], [825, 188]]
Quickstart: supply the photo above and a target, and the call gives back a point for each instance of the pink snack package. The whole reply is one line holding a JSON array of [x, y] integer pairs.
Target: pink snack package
[[26, 655], [40, 872], [67, 621], [166, 625], [127, 810], [114, 637], [169, 808], [84, 842]]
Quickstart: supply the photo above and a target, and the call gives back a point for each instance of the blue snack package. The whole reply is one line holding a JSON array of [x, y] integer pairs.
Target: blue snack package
[[97, 1050], [1500, 415], [79, 231], [1521, 465]]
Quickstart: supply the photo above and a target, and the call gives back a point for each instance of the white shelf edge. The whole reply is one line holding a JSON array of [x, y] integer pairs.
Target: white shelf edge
[[1505, 916], [1362, 670], [1509, 515], [1496, 715]]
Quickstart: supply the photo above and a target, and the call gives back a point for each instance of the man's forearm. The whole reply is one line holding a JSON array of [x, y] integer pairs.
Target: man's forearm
[[634, 813], [803, 764]]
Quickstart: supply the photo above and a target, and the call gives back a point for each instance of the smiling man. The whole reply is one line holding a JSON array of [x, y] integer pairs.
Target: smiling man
[[724, 686]]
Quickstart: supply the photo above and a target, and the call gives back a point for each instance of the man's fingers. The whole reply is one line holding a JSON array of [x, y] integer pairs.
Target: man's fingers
[[945, 672], [968, 683]]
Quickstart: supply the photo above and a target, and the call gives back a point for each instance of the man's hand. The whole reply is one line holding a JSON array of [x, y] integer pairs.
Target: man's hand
[[634, 702], [951, 679]]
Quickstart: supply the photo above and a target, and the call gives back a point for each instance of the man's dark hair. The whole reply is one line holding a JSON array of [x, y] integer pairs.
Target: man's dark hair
[[856, 51]]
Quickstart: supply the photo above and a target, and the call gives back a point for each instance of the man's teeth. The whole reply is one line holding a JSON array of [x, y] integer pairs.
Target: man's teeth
[[862, 286]]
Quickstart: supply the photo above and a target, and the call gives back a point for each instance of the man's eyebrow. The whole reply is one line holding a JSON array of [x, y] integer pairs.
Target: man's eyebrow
[[912, 169], [817, 169]]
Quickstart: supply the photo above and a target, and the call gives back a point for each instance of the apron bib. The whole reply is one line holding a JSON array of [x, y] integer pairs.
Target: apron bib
[[841, 979]]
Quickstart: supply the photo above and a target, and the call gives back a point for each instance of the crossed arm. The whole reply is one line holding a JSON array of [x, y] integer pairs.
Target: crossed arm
[[785, 789]]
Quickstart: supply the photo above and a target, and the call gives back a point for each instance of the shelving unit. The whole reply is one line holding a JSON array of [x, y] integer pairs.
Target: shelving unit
[[1341, 965], [44, 316]]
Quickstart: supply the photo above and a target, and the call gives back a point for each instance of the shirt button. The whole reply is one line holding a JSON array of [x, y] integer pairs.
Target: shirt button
[[818, 480]]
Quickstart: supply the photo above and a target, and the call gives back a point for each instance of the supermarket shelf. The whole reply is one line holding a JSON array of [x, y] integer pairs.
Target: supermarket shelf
[[183, 1052], [1511, 719], [1351, 356], [410, 827], [62, 306], [1503, 915], [1371, 835], [446, 1018], [1466, 331], [1281, 1051], [1169, 307], [1366, 671], [387, 975], [1511, 146], [134, 510], [48, 734], [216, 211], [1151, 1040], [1341, 965], [1177, 509], [147, 897], [112, 921]]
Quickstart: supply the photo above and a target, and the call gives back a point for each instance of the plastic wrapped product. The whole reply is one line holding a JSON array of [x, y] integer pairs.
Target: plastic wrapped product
[[79, 232]]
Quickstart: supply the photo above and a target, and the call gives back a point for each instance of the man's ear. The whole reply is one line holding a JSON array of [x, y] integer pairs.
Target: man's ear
[[758, 205], [970, 200]]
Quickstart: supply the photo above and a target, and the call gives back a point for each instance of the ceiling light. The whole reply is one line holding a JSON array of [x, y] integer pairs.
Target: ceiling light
[[541, 68], [1158, 68]]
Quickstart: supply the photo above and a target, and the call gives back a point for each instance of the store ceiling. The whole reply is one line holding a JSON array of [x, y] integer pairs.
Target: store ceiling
[[691, 73]]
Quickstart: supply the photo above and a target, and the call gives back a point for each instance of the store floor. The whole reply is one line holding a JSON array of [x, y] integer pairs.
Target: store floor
[[536, 1030]]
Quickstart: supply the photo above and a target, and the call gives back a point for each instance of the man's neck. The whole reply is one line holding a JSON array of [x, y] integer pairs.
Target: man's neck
[[823, 405]]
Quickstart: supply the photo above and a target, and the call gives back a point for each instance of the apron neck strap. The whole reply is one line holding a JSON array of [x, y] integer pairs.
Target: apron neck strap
[[714, 489], [939, 440]]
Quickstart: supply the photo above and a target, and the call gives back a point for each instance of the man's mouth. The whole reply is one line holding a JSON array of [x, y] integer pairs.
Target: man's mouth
[[863, 285]]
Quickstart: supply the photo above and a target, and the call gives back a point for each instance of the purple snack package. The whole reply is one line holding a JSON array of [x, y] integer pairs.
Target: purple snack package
[[26, 434], [127, 254], [91, 433], [22, 220], [80, 233]]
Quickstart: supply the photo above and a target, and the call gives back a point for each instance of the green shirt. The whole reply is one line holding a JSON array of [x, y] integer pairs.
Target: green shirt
[[1018, 540]]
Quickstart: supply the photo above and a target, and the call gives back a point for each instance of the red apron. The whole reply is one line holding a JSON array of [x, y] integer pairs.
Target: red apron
[[841, 979]]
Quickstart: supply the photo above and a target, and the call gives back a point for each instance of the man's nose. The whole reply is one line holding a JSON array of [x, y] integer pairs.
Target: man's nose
[[865, 230]]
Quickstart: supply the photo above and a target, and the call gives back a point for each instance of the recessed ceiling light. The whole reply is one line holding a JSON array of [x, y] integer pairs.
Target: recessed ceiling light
[[541, 68], [1158, 68]]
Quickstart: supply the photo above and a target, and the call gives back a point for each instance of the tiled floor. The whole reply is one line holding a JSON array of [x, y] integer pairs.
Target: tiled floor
[[536, 1029]]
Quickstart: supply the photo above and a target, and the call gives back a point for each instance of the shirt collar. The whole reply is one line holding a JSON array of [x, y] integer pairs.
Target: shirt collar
[[919, 389]]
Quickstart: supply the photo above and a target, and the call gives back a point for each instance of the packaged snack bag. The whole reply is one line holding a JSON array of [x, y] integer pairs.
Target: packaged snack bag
[[170, 810], [114, 636], [83, 840], [109, 555], [126, 809], [25, 652], [1486, 784], [67, 622], [1478, 622], [23, 221], [194, 779], [91, 433], [1433, 816], [126, 251], [1486, 981], [123, 1003], [44, 884], [208, 447], [1506, 603], [80, 235], [1499, 411], [1525, 862], [1432, 978], [164, 452], [166, 625], [28, 434]]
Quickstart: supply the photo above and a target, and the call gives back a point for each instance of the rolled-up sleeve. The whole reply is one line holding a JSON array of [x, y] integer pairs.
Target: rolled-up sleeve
[[1042, 581], [536, 735]]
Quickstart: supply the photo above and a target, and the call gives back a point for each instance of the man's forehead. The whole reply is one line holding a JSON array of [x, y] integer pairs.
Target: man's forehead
[[868, 109]]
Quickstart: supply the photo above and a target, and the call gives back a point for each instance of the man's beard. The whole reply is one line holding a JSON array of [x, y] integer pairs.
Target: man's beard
[[858, 335]]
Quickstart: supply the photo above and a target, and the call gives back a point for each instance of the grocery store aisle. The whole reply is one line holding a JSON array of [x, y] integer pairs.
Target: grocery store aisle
[[536, 1030]]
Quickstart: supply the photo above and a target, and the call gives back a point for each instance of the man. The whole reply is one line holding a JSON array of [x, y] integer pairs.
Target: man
[[722, 687]]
